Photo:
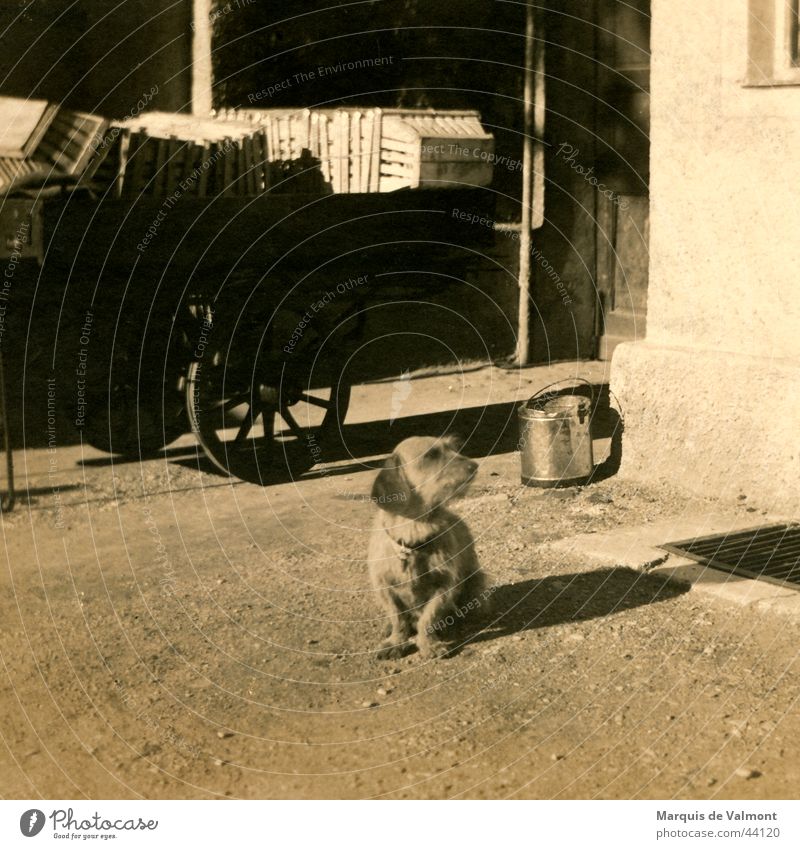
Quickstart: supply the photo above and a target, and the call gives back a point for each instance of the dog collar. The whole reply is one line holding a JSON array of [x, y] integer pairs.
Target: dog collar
[[404, 550]]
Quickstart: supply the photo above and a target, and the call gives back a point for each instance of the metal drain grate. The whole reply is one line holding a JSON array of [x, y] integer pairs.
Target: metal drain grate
[[767, 553]]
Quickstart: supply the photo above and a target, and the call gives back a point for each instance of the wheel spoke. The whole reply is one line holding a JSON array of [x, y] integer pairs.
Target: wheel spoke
[[247, 424], [257, 381], [268, 421], [317, 402], [286, 415], [233, 401]]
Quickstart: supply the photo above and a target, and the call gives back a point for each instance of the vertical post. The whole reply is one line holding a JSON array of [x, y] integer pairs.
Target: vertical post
[[7, 503], [202, 74], [523, 326]]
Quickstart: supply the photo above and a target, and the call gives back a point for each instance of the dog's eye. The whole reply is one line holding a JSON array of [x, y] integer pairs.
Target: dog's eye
[[433, 453]]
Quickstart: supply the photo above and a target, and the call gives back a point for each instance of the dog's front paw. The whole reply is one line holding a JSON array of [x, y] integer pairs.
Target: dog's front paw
[[393, 651], [434, 649]]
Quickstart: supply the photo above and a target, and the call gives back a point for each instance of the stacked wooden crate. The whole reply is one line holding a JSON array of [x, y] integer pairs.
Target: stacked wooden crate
[[40, 137], [164, 154], [375, 150], [244, 153], [427, 149], [14, 170], [343, 144]]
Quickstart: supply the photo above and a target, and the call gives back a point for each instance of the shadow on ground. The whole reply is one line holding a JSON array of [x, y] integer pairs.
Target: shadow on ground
[[572, 598], [486, 431]]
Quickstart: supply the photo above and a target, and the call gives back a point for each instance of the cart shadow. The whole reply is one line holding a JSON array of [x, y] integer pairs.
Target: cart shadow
[[568, 599], [486, 431]]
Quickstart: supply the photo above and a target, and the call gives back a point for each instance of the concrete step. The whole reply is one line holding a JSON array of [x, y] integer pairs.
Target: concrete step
[[621, 326]]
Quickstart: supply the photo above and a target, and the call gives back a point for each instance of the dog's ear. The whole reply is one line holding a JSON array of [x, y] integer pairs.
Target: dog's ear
[[454, 441], [391, 490]]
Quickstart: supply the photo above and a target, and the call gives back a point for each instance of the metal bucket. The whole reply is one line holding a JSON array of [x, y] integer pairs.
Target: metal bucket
[[555, 440]]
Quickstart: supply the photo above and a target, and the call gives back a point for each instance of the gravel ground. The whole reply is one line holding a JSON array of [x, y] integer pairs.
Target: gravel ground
[[169, 634]]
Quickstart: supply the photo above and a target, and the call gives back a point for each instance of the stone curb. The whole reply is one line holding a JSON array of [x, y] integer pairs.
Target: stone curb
[[637, 548]]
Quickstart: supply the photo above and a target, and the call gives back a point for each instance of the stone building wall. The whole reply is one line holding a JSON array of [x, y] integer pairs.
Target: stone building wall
[[711, 398]]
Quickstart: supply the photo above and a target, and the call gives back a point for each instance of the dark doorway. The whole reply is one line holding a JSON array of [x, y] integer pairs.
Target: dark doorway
[[623, 171]]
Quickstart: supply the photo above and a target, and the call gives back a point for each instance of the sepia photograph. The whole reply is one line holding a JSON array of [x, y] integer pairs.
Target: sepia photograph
[[399, 400]]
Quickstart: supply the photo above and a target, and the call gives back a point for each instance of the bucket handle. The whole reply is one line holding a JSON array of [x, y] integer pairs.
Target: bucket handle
[[564, 380]]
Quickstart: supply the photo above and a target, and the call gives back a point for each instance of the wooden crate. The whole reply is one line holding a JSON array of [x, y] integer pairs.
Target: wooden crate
[[47, 138], [71, 141], [244, 153], [13, 170], [23, 123], [421, 150], [374, 150]]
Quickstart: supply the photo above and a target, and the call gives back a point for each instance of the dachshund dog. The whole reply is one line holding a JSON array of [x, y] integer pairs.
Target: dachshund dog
[[422, 557]]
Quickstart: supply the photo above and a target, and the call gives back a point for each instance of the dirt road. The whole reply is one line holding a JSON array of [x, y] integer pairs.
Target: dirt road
[[167, 633]]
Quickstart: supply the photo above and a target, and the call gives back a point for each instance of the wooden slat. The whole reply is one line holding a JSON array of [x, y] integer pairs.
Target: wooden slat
[[375, 164], [202, 180], [307, 130], [392, 184], [122, 162], [64, 149], [76, 138], [173, 165], [290, 135], [249, 172], [65, 125], [240, 175], [355, 152], [246, 158], [189, 179], [228, 165], [12, 168], [159, 181], [215, 183], [283, 138], [295, 136], [49, 151], [134, 166], [274, 139], [365, 138], [313, 136], [216, 180], [341, 134], [259, 162], [100, 152], [396, 169], [397, 156], [325, 150], [256, 146], [333, 129], [269, 130], [406, 147], [250, 161], [265, 159]]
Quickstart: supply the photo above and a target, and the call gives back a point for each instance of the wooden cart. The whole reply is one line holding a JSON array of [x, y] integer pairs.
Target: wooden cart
[[234, 307]]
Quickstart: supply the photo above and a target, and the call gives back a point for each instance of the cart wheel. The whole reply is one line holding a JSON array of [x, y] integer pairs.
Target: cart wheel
[[265, 431], [130, 410], [264, 404]]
